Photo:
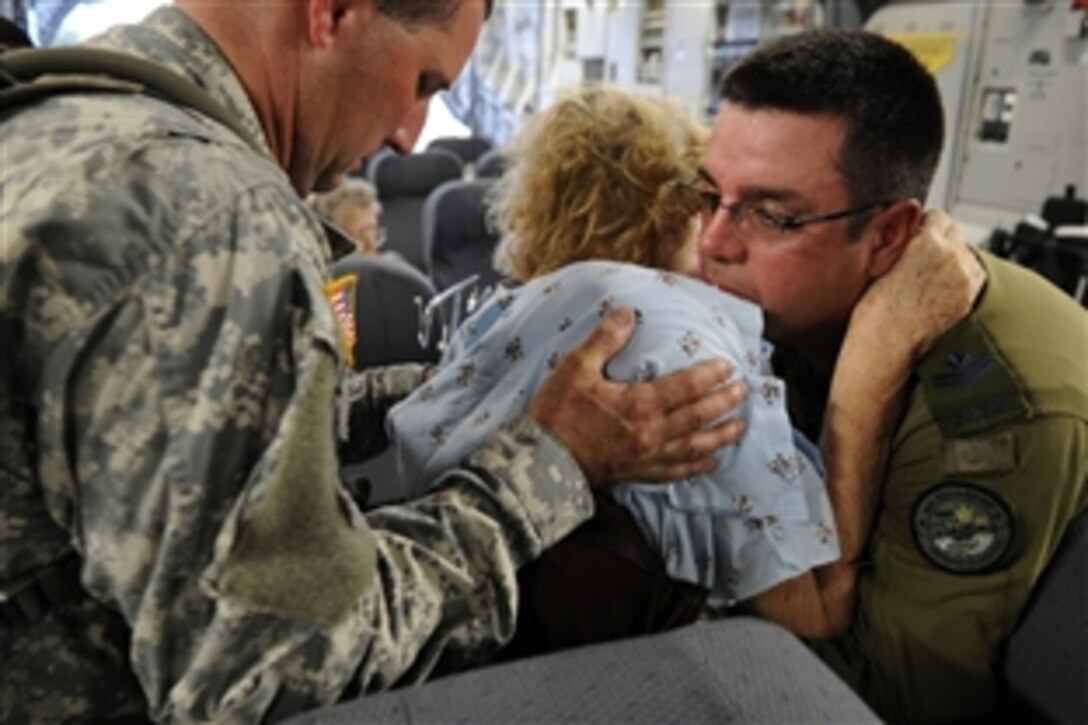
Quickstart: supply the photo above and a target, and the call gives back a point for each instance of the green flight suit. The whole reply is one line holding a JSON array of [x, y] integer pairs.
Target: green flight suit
[[988, 467]]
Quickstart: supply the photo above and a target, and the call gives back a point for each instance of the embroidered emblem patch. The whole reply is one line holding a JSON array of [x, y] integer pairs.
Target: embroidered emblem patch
[[341, 294], [962, 528]]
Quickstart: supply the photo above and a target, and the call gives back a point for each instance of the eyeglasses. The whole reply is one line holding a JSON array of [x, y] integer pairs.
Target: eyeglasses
[[750, 218]]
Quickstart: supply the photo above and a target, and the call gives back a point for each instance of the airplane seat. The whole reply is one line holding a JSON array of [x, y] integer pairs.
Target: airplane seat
[[403, 183], [737, 669], [467, 149], [1046, 659], [458, 241], [1054, 243], [491, 164], [389, 294]]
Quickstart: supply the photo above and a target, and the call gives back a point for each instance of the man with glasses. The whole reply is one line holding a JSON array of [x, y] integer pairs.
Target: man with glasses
[[814, 180]]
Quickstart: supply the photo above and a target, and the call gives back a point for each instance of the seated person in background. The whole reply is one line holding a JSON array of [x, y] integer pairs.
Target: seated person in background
[[354, 209], [606, 175]]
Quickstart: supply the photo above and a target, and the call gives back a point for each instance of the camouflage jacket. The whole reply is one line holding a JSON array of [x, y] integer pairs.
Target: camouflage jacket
[[170, 365]]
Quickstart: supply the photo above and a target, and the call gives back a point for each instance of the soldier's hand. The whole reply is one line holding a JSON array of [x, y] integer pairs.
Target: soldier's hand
[[654, 431], [933, 286]]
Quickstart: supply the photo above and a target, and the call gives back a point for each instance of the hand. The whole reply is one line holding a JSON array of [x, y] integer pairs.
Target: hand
[[932, 287], [657, 431]]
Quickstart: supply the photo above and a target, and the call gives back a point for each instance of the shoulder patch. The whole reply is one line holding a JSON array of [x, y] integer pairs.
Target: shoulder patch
[[968, 384], [341, 294], [963, 528]]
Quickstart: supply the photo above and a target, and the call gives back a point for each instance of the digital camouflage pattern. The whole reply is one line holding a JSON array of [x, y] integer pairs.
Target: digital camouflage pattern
[[170, 367]]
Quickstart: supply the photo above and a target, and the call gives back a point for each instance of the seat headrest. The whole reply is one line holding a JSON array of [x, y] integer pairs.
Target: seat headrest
[[467, 149], [461, 208], [387, 265], [491, 164], [414, 174], [389, 294]]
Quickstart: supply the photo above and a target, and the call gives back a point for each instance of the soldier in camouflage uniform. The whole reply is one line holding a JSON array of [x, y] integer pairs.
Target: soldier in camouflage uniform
[[818, 164], [174, 540]]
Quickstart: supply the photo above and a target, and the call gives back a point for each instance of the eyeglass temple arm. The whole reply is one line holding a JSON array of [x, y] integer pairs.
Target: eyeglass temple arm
[[802, 221]]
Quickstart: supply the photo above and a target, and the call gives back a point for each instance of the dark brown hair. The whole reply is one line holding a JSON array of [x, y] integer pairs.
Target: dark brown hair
[[414, 13], [895, 125]]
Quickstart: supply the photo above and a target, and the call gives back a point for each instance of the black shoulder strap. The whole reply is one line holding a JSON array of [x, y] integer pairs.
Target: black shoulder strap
[[29, 75]]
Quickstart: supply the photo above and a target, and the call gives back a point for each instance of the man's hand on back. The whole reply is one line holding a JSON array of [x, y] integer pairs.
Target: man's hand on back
[[663, 430]]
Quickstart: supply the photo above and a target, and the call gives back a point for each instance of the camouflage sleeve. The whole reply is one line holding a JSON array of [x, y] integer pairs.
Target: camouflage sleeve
[[364, 398], [199, 414], [447, 561]]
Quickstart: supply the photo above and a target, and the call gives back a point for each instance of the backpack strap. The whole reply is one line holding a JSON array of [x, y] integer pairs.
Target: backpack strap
[[32, 74]]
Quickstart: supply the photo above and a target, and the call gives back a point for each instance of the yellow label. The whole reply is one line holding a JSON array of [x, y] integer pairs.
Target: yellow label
[[933, 50]]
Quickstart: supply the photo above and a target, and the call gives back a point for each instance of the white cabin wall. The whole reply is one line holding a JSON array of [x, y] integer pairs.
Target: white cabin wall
[[621, 60], [689, 29], [1037, 54], [564, 69]]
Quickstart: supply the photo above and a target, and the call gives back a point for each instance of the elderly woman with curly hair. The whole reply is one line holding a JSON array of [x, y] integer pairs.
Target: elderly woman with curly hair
[[601, 174], [354, 209], [598, 211]]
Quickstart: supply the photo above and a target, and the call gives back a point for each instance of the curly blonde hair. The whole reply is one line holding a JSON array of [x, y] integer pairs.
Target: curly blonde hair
[[598, 175]]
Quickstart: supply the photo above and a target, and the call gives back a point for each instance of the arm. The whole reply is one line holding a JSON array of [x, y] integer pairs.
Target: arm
[[363, 400], [933, 286]]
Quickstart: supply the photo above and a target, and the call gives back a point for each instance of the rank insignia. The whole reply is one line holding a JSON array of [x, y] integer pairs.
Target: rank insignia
[[962, 528], [341, 294]]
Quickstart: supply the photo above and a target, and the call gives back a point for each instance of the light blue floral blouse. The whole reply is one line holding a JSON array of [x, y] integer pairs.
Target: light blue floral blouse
[[762, 516]]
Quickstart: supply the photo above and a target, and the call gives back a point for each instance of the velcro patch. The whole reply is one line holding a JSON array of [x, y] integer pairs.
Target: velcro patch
[[983, 454]]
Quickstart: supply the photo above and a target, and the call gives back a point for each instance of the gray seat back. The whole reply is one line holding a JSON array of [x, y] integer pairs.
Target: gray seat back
[[403, 184], [491, 164], [734, 670], [1046, 660], [458, 241], [467, 149], [389, 293]]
